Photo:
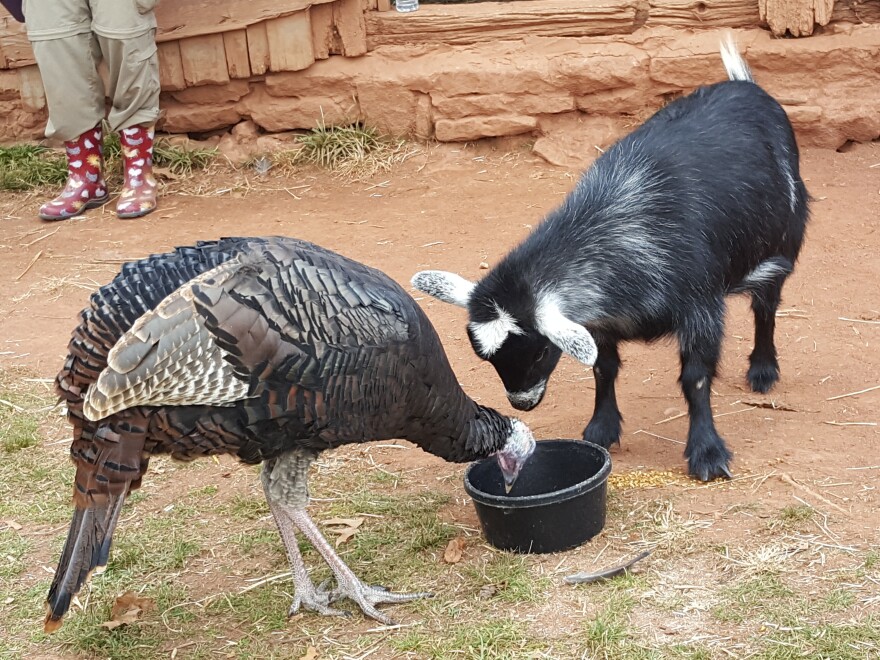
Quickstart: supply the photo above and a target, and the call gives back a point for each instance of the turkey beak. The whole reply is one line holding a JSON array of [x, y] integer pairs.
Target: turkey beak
[[509, 480], [509, 470]]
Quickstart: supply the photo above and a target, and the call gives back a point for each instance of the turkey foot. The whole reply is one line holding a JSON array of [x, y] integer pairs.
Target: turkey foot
[[348, 584], [368, 596], [305, 594]]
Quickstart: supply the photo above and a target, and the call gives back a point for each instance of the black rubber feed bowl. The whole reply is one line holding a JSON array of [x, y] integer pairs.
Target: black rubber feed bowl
[[557, 503]]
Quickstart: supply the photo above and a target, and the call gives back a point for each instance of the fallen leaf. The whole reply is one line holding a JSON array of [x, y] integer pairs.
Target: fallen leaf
[[166, 173], [454, 550], [347, 527], [9, 601], [11, 524], [128, 608], [311, 654]]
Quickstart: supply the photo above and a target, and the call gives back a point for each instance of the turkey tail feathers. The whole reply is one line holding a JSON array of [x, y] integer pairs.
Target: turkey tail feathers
[[87, 549]]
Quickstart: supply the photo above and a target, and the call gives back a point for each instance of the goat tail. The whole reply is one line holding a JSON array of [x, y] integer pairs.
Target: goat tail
[[86, 550], [736, 66]]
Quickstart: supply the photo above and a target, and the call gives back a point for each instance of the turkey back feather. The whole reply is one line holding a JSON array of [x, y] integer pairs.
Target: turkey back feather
[[107, 467]]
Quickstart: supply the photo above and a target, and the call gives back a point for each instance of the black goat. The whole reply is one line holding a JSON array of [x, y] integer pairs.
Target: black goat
[[703, 200]]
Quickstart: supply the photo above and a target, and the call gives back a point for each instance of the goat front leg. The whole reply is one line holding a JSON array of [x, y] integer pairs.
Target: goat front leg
[[708, 456], [604, 426]]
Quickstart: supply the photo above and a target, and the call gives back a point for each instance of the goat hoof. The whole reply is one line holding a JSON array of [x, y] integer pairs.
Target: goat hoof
[[762, 376], [710, 462], [602, 433]]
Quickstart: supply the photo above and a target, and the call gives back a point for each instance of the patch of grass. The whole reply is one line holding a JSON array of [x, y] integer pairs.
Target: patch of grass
[[204, 491], [872, 560], [35, 485], [19, 429], [687, 652], [137, 496], [839, 599], [247, 507], [259, 542], [21, 610], [497, 639], [350, 151], [181, 161], [138, 641], [793, 516], [849, 640], [609, 627], [764, 595], [158, 544], [799, 513], [260, 610], [510, 576], [402, 523], [610, 635], [13, 553], [27, 167]]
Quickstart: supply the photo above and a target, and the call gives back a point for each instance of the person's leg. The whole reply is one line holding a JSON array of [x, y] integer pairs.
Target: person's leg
[[67, 55], [126, 33]]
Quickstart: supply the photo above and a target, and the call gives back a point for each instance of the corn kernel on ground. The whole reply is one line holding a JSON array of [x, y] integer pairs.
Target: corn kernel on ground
[[645, 479]]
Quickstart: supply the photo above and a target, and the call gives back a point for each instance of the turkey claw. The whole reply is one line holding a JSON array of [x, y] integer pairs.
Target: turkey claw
[[317, 601]]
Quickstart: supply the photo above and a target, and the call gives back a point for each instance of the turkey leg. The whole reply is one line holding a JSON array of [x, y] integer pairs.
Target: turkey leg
[[304, 593], [348, 584], [285, 482]]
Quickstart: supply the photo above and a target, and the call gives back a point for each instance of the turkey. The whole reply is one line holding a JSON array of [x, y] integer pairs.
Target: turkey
[[269, 349]]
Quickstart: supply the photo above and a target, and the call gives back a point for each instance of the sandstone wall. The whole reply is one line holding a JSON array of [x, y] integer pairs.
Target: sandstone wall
[[587, 89], [542, 87]]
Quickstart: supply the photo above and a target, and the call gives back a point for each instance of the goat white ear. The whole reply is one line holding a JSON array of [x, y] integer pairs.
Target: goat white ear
[[448, 287], [573, 338]]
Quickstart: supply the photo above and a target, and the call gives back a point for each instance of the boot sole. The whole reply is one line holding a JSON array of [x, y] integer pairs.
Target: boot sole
[[91, 204], [135, 214]]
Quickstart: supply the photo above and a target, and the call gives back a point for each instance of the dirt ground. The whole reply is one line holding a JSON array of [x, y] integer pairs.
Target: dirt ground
[[814, 439]]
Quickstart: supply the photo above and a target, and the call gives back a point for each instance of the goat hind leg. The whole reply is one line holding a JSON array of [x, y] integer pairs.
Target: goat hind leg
[[708, 456], [763, 366]]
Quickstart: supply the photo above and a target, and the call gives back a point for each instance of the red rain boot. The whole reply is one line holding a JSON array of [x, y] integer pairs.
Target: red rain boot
[[85, 188], [139, 192]]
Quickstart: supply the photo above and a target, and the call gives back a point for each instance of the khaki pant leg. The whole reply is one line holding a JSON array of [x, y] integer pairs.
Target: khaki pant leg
[[133, 66], [67, 56], [126, 31]]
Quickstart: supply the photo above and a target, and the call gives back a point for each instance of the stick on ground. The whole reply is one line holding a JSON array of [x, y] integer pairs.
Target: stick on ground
[[789, 480], [581, 578]]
